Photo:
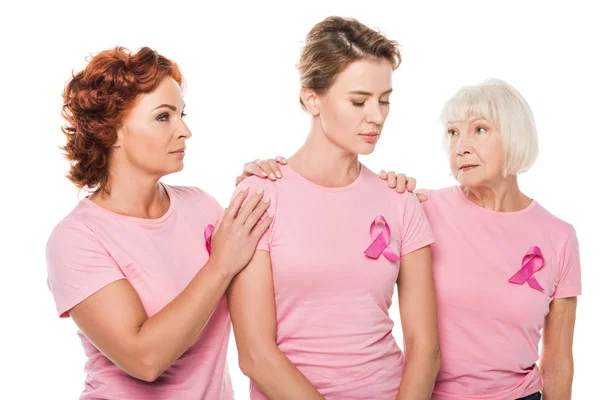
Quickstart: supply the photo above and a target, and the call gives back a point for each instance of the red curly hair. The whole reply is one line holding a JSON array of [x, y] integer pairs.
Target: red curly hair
[[95, 102]]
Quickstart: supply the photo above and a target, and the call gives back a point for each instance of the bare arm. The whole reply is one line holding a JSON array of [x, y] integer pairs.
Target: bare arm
[[252, 308], [115, 321], [418, 314], [557, 357]]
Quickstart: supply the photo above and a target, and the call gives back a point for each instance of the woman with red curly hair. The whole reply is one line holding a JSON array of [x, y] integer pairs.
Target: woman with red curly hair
[[135, 264]]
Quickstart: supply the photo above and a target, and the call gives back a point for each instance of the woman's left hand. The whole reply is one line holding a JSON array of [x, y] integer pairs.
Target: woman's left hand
[[401, 182]]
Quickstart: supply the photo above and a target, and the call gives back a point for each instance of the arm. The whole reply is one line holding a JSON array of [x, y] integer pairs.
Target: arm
[[114, 318], [556, 365], [418, 315], [252, 308]]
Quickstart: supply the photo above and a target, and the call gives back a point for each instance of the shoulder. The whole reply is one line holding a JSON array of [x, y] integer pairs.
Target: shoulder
[[194, 197], [254, 184], [549, 222], [74, 232]]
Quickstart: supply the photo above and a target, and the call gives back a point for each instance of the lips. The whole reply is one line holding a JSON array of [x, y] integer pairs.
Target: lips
[[467, 167], [181, 150]]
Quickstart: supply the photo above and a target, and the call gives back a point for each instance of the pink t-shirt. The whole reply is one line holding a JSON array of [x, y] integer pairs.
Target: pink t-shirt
[[489, 327], [93, 247], [332, 300]]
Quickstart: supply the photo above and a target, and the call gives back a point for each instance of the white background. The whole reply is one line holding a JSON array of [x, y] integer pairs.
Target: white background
[[242, 99]]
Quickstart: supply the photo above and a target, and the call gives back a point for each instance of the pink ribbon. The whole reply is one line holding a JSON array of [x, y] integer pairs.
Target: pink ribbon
[[208, 231], [532, 262], [381, 241]]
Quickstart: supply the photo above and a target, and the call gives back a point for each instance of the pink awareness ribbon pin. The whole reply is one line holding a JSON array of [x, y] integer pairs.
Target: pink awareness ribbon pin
[[532, 262], [381, 241], [208, 231]]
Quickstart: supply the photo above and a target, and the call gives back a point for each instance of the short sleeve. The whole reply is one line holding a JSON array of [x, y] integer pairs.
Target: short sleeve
[[569, 269], [209, 202], [255, 184], [78, 266], [415, 230]]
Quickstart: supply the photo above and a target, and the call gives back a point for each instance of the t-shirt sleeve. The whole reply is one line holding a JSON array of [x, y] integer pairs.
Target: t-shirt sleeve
[[78, 266], [209, 203], [255, 184], [415, 230], [569, 269]]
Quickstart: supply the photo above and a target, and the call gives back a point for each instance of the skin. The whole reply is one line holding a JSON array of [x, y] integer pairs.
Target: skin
[[347, 121], [149, 146]]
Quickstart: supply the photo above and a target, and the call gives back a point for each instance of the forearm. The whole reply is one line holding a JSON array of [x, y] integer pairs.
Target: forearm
[[169, 333], [419, 375], [558, 380], [276, 376]]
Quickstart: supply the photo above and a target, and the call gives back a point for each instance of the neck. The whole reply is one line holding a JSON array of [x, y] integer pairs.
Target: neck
[[133, 194], [323, 162], [502, 196]]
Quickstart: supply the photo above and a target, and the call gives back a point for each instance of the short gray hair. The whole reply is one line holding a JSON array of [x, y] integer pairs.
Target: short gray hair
[[499, 103]]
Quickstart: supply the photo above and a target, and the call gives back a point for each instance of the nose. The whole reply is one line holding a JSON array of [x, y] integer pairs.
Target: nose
[[463, 146], [184, 131], [375, 115]]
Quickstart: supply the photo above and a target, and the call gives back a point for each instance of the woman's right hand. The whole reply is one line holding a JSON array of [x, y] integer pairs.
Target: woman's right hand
[[237, 232], [262, 169]]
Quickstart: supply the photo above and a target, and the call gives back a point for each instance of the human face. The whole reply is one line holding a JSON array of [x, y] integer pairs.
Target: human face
[[476, 152], [352, 112], [153, 133]]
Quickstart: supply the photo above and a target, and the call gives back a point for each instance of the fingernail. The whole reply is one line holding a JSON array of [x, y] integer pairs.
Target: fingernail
[[272, 176], [245, 189], [284, 161], [259, 191], [264, 173], [278, 174], [266, 198]]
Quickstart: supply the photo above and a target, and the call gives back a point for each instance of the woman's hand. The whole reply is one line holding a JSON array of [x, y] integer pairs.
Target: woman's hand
[[266, 169], [401, 182], [237, 232]]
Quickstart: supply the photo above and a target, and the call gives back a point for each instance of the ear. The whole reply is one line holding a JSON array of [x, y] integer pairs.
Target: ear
[[120, 135], [310, 100]]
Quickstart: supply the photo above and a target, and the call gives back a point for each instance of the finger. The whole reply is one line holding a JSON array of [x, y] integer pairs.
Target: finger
[[391, 179], [411, 185], [238, 180], [218, 224], [249, 206], [234, 206], [253, 169], [401, 185], [261, 227], [257, 213], [281, 160], [383, 174], [421, 197], [266, 167], [275, 167]]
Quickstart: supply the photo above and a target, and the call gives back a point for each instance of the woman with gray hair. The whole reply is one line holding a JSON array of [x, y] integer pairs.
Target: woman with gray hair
[[505, 268]]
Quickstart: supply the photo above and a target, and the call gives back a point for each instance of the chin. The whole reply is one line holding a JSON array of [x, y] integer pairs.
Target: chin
[[364, 150]]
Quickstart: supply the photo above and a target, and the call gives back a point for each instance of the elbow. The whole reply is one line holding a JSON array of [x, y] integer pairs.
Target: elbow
[[557, 370], [149, 374], [146, 368], [256, 359], [427, 354], [434, 354]]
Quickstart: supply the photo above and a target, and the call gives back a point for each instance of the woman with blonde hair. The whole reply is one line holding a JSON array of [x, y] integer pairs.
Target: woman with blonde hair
[[310, 311]]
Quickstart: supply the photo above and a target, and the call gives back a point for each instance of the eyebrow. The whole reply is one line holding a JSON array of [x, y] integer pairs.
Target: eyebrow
[[363, 93], [173, 108]]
